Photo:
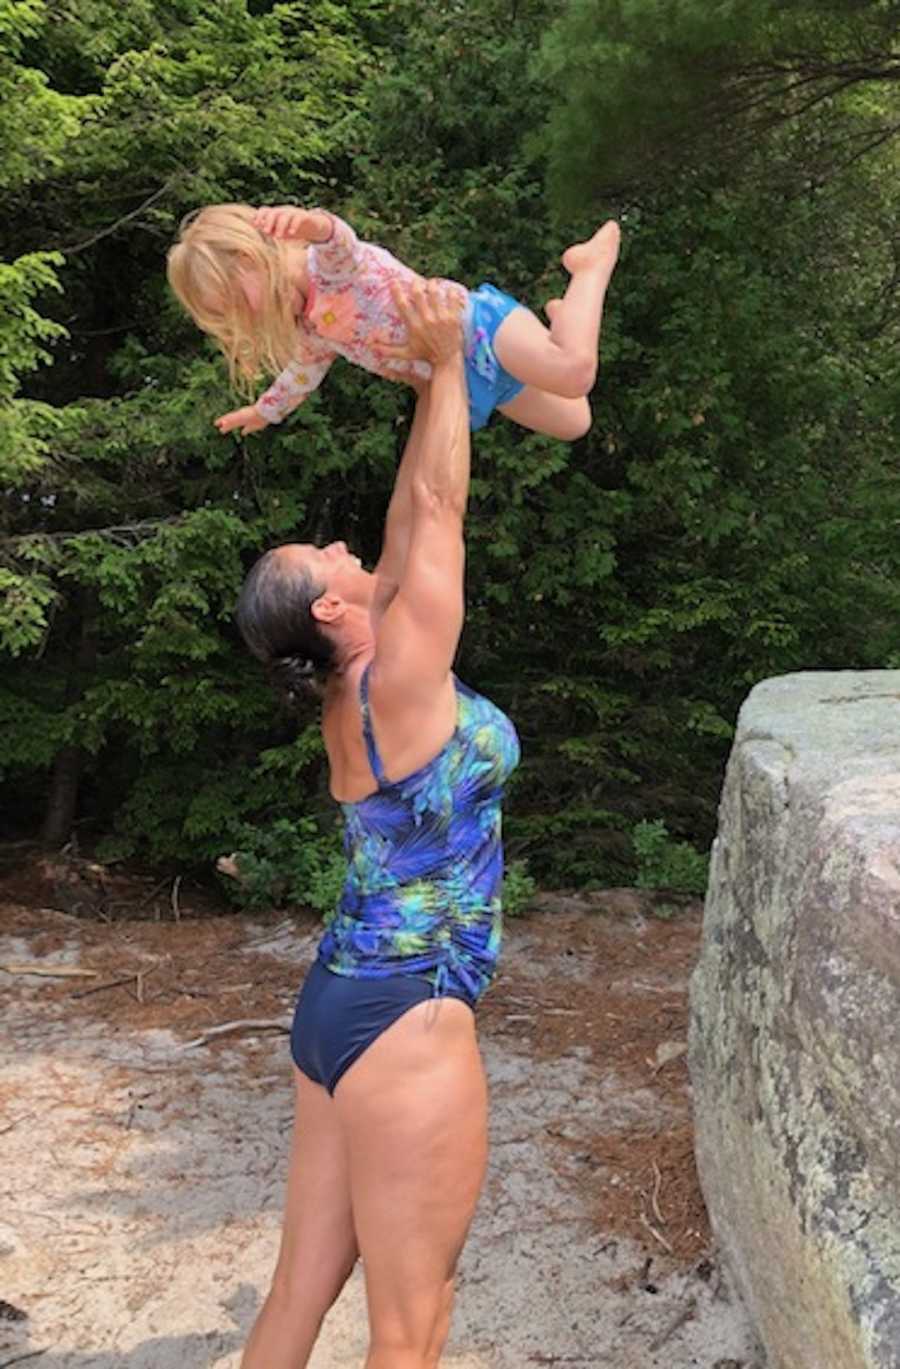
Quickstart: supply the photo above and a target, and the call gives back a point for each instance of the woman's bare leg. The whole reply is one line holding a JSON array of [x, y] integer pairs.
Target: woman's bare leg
[[441, 1326], [318, 1243], [414, 1107], [563, 358]]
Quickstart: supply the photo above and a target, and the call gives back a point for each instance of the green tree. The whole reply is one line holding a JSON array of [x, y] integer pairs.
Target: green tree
[[730, 516], [125, 516], [685, 85]]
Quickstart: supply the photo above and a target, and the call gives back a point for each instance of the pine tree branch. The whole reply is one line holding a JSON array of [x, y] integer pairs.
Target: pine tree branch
[[125, 534]]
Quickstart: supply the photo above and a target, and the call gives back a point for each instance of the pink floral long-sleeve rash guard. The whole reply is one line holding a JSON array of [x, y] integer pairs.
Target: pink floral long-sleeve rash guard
[[348, 302]]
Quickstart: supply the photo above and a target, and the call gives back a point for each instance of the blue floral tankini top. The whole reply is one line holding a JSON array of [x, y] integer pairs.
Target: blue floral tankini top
[[422, 894]]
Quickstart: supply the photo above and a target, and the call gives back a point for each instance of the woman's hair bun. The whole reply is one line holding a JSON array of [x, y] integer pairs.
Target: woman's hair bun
[[293, 676]]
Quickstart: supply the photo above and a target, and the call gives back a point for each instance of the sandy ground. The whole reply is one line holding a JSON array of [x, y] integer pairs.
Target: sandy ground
[[142, 1176]]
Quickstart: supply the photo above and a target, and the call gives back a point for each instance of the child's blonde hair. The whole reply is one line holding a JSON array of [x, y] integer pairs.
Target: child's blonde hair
[[214, 245]]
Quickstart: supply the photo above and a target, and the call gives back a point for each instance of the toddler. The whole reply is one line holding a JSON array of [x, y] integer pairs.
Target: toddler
[[286, 290]]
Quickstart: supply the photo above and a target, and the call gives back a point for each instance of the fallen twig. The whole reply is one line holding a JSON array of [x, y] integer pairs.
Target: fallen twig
[[654, 1200], [19, 1359], [564, 1359], [282, 1024], [653, 1232], [684, 1315], [110, 984], [50, 972], [26, 1117]]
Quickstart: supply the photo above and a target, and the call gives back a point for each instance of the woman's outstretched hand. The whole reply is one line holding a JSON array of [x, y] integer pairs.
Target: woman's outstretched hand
[[432, 316]]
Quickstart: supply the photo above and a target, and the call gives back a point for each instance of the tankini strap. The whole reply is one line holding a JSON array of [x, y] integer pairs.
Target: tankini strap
[[371, 746]]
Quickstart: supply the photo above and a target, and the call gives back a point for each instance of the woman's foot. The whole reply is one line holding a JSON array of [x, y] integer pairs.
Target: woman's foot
[[600, 253]]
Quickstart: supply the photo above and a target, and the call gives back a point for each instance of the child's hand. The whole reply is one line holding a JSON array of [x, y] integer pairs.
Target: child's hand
[[288, 221], [249, 420]]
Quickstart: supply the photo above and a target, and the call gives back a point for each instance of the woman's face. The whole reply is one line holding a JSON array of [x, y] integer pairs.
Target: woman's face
[[335, 568]]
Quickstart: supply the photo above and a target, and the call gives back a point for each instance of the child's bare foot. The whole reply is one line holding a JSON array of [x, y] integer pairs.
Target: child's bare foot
[[551, 307], [599, 253]]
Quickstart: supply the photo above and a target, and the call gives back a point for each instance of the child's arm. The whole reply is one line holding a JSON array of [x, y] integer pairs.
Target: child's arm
[[298, 379], [283, 396], [337, 248]]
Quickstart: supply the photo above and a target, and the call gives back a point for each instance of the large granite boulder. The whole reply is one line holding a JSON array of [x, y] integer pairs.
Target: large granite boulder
[[795, 1020]]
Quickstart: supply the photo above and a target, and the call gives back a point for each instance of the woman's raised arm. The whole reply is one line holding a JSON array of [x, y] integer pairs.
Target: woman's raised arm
[[399, 519], [418, 636]]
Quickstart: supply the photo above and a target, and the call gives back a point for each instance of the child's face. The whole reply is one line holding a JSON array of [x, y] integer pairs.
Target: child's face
[[250, 284]]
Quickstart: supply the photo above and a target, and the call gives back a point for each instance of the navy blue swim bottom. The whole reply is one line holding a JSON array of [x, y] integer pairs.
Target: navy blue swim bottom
[[337, 1017]]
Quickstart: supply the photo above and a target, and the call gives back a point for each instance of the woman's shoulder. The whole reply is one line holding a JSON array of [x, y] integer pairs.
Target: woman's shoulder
[[395, 692], [408, 719]]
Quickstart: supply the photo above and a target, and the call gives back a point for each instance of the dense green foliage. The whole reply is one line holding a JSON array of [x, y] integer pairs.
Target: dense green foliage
[[289, 862], [687, 84], [667, 864], [731, 515]]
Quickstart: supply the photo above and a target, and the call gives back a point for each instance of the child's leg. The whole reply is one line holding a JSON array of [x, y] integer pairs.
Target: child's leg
[[549, 414], [563, 359]]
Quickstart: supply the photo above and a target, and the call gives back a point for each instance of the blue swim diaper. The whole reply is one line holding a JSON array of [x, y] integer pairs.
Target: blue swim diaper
[[489, 384]]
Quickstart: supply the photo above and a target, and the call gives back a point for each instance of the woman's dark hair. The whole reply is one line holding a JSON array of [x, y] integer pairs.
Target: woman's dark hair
[[273, 614]]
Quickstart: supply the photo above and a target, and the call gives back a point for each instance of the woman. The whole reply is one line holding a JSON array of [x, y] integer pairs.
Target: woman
[[389, 1146]]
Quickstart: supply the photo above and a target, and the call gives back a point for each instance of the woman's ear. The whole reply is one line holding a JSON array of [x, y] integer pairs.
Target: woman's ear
[[328, 608]]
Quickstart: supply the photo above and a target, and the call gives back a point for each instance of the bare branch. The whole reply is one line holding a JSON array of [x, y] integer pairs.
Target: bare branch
[[883, 136], [119, 223], [737, 123], [781, 116]]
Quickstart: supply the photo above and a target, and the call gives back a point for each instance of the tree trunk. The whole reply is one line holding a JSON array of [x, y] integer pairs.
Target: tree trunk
[[62, 801]]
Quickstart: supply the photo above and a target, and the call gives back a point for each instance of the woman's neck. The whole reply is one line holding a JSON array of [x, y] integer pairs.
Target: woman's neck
[[354, 643]]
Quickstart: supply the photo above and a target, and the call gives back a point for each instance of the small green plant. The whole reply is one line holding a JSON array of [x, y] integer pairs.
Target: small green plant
[[290, 862], [663, 863], [518, 888], [294, 862]]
